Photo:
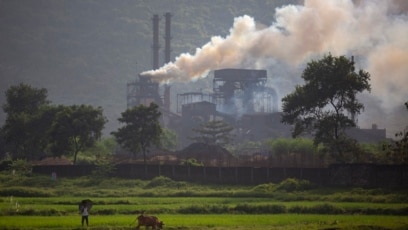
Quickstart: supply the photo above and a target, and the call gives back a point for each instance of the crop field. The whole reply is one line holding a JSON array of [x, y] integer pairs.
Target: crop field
[[212, 221], [36, 202]]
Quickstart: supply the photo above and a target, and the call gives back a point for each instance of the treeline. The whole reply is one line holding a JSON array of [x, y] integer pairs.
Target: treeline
[[35, 128], [302, 152]]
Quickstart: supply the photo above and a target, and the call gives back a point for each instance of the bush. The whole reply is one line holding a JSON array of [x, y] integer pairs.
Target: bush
[[293, 184], [264, 188], [103, 168], [21, 166], [162, 181], [192, 162]]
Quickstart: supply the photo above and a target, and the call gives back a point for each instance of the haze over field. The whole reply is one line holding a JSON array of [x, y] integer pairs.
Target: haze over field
[[86, 51]]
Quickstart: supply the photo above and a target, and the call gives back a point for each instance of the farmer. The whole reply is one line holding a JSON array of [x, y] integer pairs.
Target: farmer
[[84, 214]]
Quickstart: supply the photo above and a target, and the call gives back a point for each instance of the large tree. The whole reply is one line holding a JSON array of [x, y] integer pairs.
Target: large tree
[[142, 128], [76, 128], [213, 132], [326, 105], [25, 128]]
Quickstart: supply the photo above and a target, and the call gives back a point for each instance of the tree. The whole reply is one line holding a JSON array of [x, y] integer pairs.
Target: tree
[[142, 128], [213, 132], [25, 129], [398, 150], [168, 139], [103, 147], [326, 105], [24, 98], [76, 128]]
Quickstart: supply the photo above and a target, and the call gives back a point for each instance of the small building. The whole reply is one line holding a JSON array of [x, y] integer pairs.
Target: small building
[[372, 136]]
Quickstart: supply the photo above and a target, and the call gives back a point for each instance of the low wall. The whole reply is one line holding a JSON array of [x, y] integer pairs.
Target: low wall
[[362, 175]]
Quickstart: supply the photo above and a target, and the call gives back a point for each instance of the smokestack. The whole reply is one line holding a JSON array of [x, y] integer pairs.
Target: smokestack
[[156, 45], [167, 38], [167, 52]]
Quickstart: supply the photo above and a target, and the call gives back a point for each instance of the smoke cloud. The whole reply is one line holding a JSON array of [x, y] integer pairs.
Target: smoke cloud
[[374, 31]]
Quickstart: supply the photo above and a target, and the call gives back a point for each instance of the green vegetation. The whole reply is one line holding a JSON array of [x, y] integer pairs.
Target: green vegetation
[[142, 128], [213, 132], [398, 150], [36, 129], [326, 104], [54, 204], [213, 221]]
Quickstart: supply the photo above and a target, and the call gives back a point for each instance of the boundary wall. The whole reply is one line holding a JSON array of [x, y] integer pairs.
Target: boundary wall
[[360, 175]]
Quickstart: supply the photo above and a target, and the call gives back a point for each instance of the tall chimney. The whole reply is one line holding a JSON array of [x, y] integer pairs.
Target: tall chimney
[[167, 38], [167, 52], [156, 45]]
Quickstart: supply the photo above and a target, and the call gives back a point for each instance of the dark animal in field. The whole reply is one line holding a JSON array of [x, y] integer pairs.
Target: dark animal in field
[[149, 221]]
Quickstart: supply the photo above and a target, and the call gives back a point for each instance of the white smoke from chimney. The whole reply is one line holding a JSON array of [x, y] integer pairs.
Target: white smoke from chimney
[[370, 30]]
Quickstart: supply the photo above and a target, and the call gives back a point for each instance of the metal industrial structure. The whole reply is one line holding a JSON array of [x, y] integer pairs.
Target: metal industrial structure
[[243, 91], [235, 91], [143, 91], [240, 97]]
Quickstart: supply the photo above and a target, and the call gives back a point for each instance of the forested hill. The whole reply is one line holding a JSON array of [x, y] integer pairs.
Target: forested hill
[[85, 51]]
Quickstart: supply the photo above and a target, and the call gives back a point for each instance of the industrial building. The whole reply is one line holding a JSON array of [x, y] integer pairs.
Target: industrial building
[[240, 97]]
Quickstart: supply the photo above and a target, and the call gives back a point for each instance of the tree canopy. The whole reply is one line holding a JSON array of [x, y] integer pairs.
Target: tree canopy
[[76, 128], [35, 128], [142, 128], [213, 132], [25, 128], [326, 105]]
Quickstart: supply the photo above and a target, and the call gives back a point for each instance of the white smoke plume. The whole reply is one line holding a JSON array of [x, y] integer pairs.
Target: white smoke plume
[[374, 31]]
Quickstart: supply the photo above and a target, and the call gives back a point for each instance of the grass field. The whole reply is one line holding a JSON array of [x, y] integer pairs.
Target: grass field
[[213, 221], [35, 202]]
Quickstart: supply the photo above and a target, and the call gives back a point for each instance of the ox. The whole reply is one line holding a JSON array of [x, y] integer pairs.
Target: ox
[[149, 221]]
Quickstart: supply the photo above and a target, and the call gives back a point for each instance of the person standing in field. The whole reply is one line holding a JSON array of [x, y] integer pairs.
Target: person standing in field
[[84, 214]]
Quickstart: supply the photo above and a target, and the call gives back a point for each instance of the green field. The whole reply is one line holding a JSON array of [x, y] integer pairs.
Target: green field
[[213, 221], [36, 202]]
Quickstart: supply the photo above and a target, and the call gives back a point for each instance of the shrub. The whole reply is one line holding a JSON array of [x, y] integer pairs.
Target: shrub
[[293, 184], [103, 168], [264, 188], [162, 181], [192, 162], [21, 166]]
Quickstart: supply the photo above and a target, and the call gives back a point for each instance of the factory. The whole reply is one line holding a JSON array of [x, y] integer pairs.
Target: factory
[[240, 97]]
